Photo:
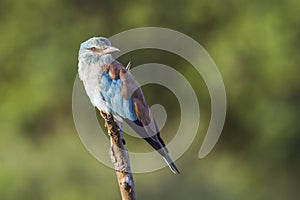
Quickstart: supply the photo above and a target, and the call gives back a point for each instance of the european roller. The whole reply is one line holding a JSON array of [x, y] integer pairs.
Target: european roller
[[113, 90]]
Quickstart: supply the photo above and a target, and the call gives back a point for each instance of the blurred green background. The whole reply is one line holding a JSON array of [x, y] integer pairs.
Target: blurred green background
[[255, 45]]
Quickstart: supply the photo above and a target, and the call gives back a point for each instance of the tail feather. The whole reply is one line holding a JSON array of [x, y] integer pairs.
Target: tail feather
[[163, 151], [155, 141], [171, 164]]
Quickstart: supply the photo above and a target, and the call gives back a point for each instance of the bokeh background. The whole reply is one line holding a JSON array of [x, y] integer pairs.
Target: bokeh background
[[255, 45]]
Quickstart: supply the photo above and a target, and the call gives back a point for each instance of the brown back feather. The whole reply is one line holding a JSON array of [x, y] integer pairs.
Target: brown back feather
[[130, 87]]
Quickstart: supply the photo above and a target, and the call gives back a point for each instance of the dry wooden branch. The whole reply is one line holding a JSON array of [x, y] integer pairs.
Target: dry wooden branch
[[120, 158]]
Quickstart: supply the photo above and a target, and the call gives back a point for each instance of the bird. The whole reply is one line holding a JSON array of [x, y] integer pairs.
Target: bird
[[112, 89]]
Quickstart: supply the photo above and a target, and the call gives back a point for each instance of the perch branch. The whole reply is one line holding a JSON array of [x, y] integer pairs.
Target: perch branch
[[120, 158]]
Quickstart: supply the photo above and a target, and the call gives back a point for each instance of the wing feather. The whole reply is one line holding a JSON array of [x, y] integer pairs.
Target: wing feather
[[145, 125]]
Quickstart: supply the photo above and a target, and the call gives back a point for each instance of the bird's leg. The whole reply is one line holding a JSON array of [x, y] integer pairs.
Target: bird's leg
[[107, 117]]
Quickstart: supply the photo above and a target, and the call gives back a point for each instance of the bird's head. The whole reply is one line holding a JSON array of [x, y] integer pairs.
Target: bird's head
[[96, 49]]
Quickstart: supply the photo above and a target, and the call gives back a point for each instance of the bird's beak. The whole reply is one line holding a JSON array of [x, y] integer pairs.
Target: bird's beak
[[110, 49]]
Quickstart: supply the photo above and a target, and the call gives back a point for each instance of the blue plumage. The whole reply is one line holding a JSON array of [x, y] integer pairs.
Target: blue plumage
[[112, 94]]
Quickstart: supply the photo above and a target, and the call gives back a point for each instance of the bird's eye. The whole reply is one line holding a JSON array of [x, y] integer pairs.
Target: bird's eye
[[93, 49]]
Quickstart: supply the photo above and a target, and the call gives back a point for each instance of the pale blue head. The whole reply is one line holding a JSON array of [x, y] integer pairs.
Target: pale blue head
[[96, 49]]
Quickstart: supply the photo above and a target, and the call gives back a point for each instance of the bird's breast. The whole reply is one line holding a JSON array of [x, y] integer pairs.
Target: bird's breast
[[90, 77]]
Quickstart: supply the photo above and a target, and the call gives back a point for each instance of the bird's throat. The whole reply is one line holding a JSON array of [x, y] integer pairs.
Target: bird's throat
[[107, 59]]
